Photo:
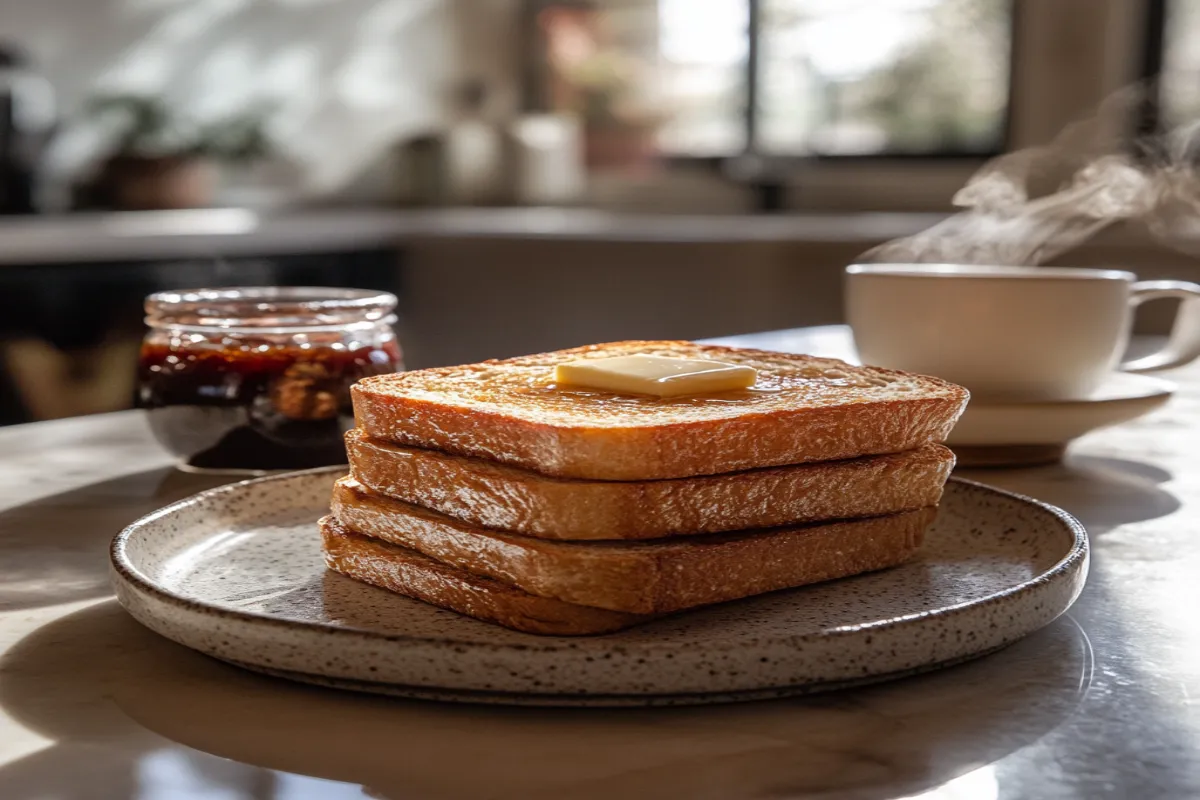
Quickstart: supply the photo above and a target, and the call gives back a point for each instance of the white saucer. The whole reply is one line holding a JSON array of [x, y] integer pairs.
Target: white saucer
[[1123, 397]]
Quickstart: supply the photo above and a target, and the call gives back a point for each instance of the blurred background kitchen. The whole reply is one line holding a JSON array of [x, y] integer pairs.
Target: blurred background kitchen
[[523, 174]]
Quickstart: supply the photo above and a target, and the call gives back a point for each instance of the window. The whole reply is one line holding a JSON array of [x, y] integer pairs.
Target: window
[[840, 77], [781, 78], [1174, 52]]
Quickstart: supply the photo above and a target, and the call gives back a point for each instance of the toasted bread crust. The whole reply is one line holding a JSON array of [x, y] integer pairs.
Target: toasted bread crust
[[650, 577], [810, 409], [513, 499], [409, 573]]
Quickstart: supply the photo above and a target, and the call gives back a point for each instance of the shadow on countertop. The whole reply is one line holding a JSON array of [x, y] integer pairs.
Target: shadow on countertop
[[1103, 493], [54, 549], [97, 679]]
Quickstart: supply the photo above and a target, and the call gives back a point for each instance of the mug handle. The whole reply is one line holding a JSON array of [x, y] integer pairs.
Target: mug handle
[[1183, 345]]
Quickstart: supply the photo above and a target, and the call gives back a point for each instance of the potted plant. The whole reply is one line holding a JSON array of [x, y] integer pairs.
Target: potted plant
[[618, 130], [604, 85], [160, 160]]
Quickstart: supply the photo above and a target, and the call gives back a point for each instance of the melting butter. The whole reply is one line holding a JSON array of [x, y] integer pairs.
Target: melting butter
[[660, 376]]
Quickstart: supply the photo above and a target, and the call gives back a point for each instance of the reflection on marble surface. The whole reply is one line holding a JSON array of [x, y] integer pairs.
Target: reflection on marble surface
[[97, 678]]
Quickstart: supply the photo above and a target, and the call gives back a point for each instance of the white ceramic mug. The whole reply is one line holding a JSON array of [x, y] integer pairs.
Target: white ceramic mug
[[1012, 333]]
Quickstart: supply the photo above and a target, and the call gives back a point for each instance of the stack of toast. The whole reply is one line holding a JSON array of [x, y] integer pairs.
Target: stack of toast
[[496, 491]]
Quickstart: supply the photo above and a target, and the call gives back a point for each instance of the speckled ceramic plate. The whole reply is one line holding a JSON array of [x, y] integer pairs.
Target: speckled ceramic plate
[[236, 573]]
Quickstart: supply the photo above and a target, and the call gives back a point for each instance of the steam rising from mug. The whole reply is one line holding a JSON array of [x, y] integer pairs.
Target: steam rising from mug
[[1027, 207]]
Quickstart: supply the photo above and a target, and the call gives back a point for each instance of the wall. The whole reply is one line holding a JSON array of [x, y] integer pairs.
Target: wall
[[470, 299], [350, 77], [353, 76]]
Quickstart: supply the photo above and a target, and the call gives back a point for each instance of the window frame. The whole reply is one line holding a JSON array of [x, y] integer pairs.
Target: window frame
[[533, 91], [1154, 40], [750, 118], [1066, 56]]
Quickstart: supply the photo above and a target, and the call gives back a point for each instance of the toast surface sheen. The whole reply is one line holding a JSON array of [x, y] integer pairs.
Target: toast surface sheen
[[522, 501], [409, 573], [801, 409], [649, 577]]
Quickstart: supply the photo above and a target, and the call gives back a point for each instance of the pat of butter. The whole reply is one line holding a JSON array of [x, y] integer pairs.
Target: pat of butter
[[655, 375]]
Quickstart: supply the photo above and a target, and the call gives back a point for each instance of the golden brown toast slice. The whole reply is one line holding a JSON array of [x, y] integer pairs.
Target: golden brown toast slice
[[409, 573], [801, 409], [643, 577], [522, 501]]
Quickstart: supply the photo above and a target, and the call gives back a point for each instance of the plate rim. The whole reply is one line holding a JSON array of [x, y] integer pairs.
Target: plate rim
[[1077, 556], [607, 700]]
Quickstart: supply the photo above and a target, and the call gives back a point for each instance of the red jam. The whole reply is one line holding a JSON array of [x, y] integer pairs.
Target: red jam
[[256, 406]]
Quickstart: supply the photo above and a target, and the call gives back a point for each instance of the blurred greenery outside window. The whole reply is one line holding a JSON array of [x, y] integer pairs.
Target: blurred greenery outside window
[[1179, 85], [778, 78]]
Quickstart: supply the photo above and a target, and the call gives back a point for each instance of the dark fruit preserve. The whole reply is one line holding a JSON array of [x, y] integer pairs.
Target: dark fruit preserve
[[259, 379]]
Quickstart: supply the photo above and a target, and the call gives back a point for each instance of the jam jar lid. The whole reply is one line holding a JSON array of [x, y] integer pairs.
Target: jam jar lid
[[269, 308]]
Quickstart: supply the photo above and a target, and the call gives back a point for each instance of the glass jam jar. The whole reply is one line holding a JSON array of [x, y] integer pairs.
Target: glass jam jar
[[258, 379]]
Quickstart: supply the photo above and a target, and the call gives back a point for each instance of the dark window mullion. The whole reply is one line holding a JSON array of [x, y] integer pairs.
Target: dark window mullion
[[1153, 42], [753, 53]]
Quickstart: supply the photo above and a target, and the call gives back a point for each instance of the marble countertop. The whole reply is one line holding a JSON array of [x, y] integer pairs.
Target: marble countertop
[[233, 232], [1104, 703]]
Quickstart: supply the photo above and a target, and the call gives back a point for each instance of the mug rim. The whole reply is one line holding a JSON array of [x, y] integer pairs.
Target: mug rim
[[989, 271]]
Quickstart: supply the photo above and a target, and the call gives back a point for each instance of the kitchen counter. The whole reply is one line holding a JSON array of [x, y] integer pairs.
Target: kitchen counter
[[238, 232], [233, 232], [1103, 703]]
